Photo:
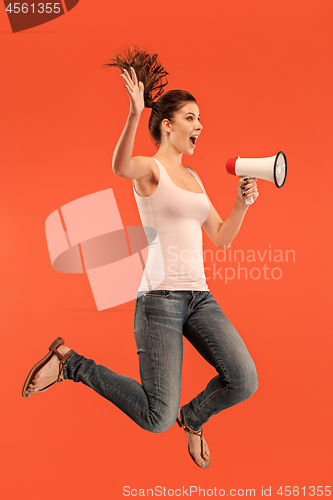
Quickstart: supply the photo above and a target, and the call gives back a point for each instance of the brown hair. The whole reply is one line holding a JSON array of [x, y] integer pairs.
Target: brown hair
[[153, 76]]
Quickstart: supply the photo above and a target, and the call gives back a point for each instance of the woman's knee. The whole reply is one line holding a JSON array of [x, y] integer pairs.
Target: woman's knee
[[251, 383], [245, 381], [161, 427], [159, 422]]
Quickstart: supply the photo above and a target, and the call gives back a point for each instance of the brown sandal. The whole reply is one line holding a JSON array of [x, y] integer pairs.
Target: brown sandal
[[35, 369], [181, 422]]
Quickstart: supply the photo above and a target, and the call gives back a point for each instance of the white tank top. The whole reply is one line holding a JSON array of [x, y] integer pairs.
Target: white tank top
[[172, 218]]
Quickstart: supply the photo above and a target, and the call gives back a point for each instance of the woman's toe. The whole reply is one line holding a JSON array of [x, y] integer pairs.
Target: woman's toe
[[198, 459]]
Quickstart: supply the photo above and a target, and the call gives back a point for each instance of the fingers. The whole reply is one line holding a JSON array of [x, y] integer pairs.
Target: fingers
[[141, 88], [128, 85], [130, 79], [249, 188], [134, 89], [248, 185], [128, 91], [134, 77], [127, 79]]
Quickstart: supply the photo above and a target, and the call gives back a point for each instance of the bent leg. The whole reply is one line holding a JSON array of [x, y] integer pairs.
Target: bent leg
[[214, 337], [154, 404]]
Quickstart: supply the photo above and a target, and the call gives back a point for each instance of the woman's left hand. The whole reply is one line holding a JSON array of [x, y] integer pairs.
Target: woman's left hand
[[247, 188]]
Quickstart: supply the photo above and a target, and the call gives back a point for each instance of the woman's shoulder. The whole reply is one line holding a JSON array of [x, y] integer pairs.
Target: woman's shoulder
[[195, 173], [145, 163], [146, 184], [143, 160]]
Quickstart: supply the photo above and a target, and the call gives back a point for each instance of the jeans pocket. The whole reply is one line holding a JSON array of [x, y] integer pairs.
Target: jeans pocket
[[158, 293]]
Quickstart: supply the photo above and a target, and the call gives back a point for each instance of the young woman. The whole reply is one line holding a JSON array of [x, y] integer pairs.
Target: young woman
[[173, 299]]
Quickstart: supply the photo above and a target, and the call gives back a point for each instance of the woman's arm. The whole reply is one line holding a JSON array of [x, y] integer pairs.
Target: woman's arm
[[222, 233], [122, 163]]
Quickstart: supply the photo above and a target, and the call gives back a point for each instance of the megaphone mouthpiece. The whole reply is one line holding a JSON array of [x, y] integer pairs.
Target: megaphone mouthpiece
[[231, 166]]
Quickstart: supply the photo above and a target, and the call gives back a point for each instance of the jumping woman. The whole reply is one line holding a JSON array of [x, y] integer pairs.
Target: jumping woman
[[173, 299]]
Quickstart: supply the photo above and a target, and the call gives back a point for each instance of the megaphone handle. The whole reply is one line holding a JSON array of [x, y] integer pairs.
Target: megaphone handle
[[248, 201]]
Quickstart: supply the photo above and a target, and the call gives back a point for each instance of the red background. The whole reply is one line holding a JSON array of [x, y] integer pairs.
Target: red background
[[262, 75]]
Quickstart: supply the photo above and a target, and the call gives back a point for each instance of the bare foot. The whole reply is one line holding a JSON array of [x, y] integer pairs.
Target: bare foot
[[48, 374], [194, 441]]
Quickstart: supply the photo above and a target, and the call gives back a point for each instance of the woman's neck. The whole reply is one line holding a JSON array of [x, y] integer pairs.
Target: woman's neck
[[170, 155]]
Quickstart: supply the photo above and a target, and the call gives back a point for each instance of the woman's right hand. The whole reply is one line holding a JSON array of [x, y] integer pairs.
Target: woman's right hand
[[135, 91]]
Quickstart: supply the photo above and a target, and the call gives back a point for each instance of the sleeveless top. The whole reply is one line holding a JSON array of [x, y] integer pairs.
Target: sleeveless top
[[172, 218]]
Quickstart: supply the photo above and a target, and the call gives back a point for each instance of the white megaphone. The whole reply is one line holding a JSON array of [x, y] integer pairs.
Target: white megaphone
[[272, 168]]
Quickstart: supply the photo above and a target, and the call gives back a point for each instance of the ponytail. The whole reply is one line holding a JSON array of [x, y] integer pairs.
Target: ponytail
[[148, 70], [151, 73]]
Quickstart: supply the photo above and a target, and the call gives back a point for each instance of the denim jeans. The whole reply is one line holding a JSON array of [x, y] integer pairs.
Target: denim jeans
[[161, 319]]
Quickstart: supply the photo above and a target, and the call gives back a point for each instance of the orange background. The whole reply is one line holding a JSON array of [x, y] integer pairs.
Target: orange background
[[262, 75]]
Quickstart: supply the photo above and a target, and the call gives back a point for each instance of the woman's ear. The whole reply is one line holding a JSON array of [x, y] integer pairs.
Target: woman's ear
[[166, 125]]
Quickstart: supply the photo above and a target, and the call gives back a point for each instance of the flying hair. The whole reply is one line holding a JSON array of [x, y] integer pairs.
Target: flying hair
[[151, 73], [148, 70]]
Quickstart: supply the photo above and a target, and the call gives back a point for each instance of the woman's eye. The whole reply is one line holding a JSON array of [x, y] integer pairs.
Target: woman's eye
[[190, 117]]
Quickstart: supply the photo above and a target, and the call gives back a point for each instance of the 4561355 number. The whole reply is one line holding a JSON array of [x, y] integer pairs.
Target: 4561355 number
[[32, 8], [310, 491]]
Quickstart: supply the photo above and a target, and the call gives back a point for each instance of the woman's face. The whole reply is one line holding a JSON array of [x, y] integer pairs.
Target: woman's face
[[184, 129]]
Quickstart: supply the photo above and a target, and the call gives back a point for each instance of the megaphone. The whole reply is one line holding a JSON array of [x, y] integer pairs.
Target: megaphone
[[272, 168]]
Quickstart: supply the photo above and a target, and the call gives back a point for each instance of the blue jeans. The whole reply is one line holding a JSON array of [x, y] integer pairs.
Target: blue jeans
[[161, 319]]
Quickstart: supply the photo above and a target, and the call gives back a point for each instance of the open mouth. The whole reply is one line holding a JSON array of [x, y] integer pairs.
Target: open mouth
[[193, 139]]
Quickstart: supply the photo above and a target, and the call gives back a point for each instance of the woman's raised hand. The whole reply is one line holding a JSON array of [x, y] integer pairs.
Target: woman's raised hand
[[135, 92]]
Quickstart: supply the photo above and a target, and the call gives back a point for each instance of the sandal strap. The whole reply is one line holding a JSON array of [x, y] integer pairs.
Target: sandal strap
[[63, 359], [55, 351], [181, 422]]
